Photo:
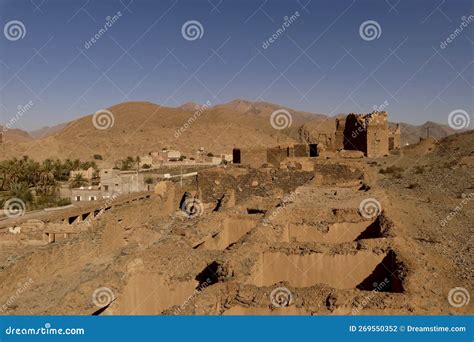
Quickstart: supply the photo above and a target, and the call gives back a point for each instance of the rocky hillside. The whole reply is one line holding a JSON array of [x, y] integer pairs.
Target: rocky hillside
[[15, 135], [412, 134], [137, 128]]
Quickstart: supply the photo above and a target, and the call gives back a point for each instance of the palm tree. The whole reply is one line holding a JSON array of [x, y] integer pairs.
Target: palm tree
[[3, 174], [59, 170], [127, 163], [137, 162], [76, 164], [48, 164], [87, 164], [46, 184], [21, 191], [78, 180]]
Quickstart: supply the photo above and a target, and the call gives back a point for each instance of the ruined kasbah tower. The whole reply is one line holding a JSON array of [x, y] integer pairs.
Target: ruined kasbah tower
[[368, 133]]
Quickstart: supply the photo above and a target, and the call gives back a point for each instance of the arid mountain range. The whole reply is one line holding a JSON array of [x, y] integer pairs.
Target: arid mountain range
[[138, 128]]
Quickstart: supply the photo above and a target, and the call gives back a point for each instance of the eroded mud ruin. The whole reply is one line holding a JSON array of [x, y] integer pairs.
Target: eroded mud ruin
[[367, 133], [286, 230]]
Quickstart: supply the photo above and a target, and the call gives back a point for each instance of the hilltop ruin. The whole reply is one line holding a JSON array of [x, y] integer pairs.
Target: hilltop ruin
[[365, 133]]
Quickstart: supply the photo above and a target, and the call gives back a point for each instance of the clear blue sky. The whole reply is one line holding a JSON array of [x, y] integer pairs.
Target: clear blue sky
[[319, 64]]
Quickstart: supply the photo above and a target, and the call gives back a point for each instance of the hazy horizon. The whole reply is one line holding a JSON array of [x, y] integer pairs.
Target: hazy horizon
[[322, 62]]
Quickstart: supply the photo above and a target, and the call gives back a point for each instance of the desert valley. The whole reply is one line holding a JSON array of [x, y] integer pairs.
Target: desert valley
[[230, 170], [211, 210]]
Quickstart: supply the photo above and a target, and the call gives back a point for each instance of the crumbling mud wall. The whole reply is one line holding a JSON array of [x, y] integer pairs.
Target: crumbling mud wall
[[321, 132], [276, 155], [339, 135], [254, 157], [377, 135], [245, 183], [364, 132], [301, 150], [355, 133], [258, 157], [337, 174], [394, 138]]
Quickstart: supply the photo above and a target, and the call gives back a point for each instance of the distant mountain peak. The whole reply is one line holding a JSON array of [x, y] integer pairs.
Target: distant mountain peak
[[190, 106]]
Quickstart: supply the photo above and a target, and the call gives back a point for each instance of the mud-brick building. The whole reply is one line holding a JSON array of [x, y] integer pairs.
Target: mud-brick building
[[123, 182], [364, 132], [91, 193]]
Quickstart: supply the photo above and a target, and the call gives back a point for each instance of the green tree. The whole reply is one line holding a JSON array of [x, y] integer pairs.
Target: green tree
[[21, 191], [77, 181], [47, 185], [127, 163], [137, 162]]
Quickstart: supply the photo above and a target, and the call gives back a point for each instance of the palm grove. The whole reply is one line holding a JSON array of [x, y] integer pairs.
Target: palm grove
[[37, 184]]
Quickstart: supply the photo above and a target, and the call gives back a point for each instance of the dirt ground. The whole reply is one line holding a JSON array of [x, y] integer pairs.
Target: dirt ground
[[353, 237]]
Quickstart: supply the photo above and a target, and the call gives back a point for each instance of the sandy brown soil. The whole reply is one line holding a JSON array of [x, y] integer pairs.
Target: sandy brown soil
[[269, 241]]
